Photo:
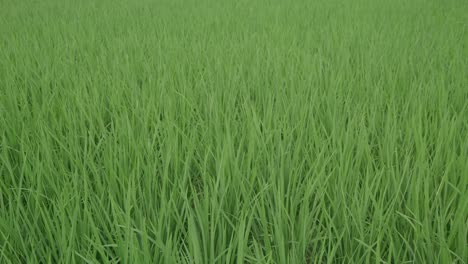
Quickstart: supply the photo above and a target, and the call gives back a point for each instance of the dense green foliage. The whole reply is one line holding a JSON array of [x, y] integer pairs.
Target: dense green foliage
[[233, 131]]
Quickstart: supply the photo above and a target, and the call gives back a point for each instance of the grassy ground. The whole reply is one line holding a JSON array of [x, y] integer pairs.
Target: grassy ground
[[233, 131]]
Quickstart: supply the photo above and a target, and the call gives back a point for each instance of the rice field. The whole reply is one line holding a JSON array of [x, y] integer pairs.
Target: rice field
[[268, 131]]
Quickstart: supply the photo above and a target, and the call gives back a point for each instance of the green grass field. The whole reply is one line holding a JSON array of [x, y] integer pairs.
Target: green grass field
[[233, 131]]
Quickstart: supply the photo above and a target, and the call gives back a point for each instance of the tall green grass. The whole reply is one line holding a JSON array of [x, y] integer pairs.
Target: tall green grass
[[233, 131]]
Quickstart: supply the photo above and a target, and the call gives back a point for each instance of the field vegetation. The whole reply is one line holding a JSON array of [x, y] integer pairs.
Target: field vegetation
[[233, 131]]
